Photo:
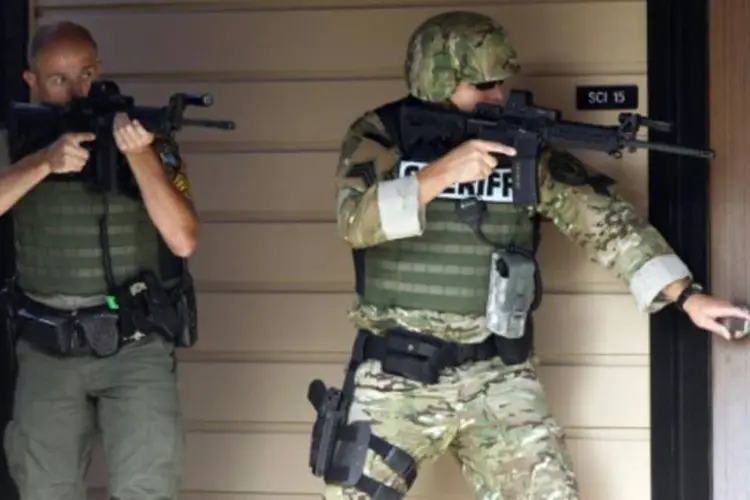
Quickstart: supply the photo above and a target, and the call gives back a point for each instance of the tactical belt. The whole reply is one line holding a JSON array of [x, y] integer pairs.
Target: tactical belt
[[67, 333], [417, 356], [138, 309]]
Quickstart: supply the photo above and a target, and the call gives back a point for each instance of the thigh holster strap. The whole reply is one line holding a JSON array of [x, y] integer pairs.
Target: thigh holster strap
[[338, 450]]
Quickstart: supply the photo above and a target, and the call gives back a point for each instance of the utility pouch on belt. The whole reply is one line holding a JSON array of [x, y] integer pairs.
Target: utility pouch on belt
[[64, 333], [146, 306], [512, 293], [54, 335], [412, 355], [100, 329], [338, 449]]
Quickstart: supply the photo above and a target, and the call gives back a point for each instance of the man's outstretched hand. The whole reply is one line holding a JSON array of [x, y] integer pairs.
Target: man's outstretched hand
[[707, 311]]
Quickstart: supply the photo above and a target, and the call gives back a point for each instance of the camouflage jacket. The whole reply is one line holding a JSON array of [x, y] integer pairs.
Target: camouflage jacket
[[604, 225]]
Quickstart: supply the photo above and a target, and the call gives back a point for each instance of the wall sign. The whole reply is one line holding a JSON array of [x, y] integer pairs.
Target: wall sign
[[595, 97]]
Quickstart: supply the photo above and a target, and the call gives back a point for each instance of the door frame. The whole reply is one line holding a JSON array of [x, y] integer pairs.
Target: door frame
[[681, 397], [680, 355]]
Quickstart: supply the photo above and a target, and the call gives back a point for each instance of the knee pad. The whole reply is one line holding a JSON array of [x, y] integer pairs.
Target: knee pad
[[338, 449]]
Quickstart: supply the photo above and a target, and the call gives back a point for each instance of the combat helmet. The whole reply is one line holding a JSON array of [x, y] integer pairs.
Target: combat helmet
[[457, 46]]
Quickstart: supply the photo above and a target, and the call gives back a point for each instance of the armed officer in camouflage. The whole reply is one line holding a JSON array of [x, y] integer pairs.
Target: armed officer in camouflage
[[442, 360], [83, 364]]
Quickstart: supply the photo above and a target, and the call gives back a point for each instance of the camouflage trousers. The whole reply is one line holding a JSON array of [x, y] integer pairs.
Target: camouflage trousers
[[493, 418]]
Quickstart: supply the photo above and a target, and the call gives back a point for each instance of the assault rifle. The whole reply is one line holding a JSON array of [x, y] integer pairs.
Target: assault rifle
[[32, 127], [527, 128]]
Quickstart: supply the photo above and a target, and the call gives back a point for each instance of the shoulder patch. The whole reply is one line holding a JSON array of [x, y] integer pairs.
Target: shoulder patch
[[168, 153], [365, 171], [601, 183], [379, 139], [566, 168]]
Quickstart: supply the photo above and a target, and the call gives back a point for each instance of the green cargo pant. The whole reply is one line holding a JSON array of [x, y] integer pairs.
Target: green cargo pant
[[492, 417], [132, 398]]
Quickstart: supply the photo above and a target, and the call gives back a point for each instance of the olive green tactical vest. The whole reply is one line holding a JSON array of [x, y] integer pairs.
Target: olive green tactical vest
[[58, 250], [447, 268]]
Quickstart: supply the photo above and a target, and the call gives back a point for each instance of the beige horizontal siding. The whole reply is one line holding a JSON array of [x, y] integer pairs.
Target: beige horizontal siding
[[275, 280]]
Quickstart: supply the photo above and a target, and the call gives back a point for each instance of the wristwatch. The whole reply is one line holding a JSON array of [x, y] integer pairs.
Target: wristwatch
[[688, 292]]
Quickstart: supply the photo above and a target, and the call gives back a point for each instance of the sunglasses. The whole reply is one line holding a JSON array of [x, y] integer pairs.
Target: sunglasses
[[489, 85]]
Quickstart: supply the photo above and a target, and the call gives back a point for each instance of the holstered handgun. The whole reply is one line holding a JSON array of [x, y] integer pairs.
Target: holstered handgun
[[332, 413], [147, 307]]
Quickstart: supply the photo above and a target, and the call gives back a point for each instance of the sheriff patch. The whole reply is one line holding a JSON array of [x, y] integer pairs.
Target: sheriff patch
[[497, 188], [168, 154]]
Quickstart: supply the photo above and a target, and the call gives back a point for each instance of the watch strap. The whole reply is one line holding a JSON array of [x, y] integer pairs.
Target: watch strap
[[688, 292]]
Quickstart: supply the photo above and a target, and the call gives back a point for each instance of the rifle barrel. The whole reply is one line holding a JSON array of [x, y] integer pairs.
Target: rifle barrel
[[220, 124], [669, 148]]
